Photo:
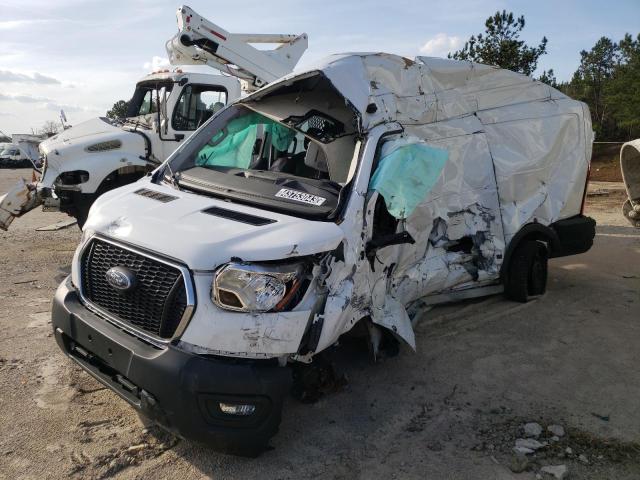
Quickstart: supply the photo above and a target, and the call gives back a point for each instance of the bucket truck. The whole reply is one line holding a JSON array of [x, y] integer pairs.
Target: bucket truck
[[87, 160]]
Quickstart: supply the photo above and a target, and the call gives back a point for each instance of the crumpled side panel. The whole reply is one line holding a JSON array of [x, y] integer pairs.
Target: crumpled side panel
[[458, 226], [540, 166], [354, 290], [461, 248]]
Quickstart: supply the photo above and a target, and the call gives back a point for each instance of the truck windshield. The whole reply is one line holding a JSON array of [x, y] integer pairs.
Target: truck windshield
[[243, 155], [147, 97]]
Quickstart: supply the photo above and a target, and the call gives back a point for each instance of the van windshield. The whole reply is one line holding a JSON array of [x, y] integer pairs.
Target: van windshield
[[298, 165]]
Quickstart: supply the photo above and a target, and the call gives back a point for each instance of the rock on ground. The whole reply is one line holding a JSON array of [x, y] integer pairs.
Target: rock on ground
[[529, 443], [555, 471], [556, 430], [532, 429], [519, 463]]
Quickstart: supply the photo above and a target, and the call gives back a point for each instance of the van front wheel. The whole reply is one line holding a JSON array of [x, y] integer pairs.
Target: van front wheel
[[527, 273]]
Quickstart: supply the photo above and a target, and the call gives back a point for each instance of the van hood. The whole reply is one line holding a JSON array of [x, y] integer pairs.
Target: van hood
[[178, 228]]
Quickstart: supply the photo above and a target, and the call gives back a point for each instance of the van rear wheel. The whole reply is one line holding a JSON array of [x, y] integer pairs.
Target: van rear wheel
[[527, 274]]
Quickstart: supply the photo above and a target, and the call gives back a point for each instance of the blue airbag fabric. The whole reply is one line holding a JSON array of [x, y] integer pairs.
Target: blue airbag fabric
[[405, 176], [236, 148]]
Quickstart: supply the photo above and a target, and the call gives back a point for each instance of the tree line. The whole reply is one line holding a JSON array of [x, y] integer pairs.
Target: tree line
[[607, 80]]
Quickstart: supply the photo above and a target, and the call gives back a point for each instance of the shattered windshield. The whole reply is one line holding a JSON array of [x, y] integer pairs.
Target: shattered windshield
[[244, 155]]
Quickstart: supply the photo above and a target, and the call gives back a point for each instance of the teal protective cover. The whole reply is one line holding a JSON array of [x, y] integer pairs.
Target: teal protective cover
[[236, 148], [406, 175]]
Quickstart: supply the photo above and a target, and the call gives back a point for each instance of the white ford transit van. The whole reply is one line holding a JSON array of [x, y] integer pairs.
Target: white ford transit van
[[330, 200]]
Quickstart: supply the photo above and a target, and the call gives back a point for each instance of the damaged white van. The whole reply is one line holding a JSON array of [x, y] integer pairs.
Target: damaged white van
[[324, 203]]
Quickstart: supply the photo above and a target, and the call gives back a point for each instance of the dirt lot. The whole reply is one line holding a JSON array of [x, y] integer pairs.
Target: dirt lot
[[452, 410]]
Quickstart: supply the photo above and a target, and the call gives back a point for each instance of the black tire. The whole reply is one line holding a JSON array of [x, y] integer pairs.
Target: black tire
[[527, 272]]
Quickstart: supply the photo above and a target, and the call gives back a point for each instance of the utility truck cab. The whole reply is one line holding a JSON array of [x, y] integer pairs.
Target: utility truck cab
[[322, 205], [85, 161]]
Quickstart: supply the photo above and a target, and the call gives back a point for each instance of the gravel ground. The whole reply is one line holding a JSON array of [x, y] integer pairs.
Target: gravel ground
[[452, 410]]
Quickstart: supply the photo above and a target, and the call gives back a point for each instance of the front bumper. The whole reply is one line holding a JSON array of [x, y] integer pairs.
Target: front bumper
[[180, 391]]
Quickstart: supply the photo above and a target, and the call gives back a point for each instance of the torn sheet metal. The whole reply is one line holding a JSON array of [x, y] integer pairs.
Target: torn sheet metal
[[57, 226], [22, 198]]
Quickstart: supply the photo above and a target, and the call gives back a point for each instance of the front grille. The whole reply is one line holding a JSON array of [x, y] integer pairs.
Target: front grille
[[157, 302]]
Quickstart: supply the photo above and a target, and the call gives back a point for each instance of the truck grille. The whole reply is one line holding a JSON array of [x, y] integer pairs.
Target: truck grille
[[155, 305]]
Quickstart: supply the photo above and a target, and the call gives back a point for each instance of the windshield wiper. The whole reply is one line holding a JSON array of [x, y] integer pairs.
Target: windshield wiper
[[136, 123]]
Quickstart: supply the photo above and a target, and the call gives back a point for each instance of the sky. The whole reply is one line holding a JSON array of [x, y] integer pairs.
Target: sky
[[84, 55]]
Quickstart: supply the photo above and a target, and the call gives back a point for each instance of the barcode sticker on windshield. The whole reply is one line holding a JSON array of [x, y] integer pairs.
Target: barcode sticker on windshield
[[300, 197]]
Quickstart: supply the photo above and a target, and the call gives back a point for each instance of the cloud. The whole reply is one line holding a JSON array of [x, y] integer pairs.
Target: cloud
[[45, 103], [14, 77], [21, 98], [440, 45], [156, 63], [15, 24], [56, 107]]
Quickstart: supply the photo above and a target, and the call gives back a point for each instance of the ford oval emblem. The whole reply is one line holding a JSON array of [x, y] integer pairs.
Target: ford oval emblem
[[121, 278]]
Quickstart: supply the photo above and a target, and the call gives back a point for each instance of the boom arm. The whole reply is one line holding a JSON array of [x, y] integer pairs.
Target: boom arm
[[202, 42]]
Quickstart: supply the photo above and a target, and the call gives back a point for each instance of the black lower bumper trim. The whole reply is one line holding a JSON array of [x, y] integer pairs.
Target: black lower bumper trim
[[180, 391]]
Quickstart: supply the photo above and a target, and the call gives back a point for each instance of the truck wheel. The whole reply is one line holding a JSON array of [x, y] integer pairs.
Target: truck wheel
[[527, 274]]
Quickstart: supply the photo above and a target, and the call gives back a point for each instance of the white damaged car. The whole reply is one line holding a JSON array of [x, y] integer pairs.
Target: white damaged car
[[325, 203]]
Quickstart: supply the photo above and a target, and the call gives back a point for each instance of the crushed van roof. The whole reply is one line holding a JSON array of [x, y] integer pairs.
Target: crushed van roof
[[424, 90]]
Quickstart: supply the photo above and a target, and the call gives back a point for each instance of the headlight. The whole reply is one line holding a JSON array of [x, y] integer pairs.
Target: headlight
[[254, 287]]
